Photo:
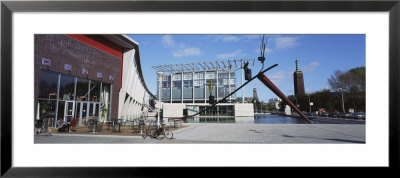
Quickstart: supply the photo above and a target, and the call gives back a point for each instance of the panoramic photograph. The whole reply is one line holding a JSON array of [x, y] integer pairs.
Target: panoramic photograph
[[199, 88]]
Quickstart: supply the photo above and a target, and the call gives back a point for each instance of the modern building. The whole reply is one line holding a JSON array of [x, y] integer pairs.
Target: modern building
[[298, 80], [84, 76], [195, 82], [192, 84]]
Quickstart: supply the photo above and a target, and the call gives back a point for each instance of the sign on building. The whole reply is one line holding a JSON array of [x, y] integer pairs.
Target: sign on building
[[67, 67], [84, 71], [46, 62]]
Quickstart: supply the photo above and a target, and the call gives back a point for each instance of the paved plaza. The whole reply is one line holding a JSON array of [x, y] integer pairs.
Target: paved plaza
[[233, 133]]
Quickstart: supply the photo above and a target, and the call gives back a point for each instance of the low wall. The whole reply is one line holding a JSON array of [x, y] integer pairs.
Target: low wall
[[173, 109], [244, 110], [176, 109]]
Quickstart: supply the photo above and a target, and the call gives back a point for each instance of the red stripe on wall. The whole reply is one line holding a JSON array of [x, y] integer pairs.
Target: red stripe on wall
[[104, 45], [99, 43]]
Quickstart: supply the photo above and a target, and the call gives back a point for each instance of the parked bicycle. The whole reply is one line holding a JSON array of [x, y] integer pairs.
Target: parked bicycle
[[42, 127], [153, 131]]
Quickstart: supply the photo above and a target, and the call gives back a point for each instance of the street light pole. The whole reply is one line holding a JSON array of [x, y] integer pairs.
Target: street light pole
[[309, 102], [160, 76], [341, 91]]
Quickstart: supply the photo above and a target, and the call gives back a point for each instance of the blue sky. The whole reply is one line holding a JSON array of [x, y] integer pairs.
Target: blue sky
[[319, 56]]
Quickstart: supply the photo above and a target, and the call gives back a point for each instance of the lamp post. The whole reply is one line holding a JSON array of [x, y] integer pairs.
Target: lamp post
[[160, 76], [309, 102], [341, 91]]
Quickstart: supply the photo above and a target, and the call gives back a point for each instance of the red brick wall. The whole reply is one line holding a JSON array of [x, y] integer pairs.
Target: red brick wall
[[62, 49]]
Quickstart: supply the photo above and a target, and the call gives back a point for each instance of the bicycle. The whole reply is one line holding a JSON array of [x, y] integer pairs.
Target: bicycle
[[157, 132], [43, 128], [167, 132]]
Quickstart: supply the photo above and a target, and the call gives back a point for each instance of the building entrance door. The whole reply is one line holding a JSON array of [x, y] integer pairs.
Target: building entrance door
[[69, 111], [94, 110], [81, 112]]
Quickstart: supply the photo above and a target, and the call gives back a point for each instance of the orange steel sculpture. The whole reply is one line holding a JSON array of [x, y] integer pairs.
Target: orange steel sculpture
[[264, 79]]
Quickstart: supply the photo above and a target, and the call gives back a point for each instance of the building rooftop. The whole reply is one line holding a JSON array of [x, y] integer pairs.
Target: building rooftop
[[204, 66]]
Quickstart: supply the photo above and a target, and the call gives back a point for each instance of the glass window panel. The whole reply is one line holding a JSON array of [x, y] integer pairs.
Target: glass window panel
[[198, 83], [165, 93], [94, 91], [187, 76], [213, 90], [188, 89], [77, 110], [82, 89], [104, 112], [84, 112], [47, 109], [69, 108], [187, 83], [166, 84], [61, 108], [105, 93], [198, 75], [210, 75], [221, 92], [48, 84], [176, 77], [166, 78], [233, 75], [176, 93], [91, 108], [176, 84], [199, 92], [67, 87], [187, 93]]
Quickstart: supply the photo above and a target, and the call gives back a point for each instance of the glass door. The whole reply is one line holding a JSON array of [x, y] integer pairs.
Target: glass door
[[81, 112], [78, 113], [84, 112], [94, 110], [69, 111]]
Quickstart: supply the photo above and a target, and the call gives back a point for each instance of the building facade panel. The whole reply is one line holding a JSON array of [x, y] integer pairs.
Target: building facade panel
[[86, 76], [70, 60]]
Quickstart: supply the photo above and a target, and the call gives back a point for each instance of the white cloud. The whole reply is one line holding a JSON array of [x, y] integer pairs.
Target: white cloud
[[226, 38], [277, 75], [283, 42], [252, 37], [186, 52], [236, 53], [267, 50], [310, 67], [168, 41], [179, 49], [275, 82], [309, 90]]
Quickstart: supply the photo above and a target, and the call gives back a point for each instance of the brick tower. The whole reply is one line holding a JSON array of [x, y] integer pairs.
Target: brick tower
[[255, 97], [298, 80]]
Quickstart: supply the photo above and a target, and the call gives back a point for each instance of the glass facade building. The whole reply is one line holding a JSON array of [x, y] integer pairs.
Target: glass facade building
[[194, 87], [63, 96], [196, 82]]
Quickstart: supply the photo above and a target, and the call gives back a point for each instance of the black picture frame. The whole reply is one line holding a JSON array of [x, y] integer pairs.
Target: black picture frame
[[8, 7]]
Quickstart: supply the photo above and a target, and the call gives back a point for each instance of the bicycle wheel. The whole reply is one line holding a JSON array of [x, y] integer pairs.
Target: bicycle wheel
[[160, 135], [145, 132], [168, 134]]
